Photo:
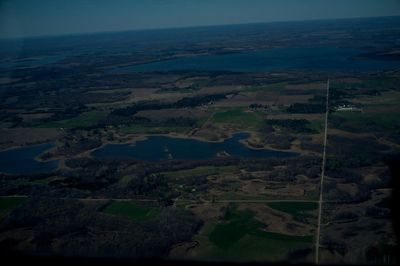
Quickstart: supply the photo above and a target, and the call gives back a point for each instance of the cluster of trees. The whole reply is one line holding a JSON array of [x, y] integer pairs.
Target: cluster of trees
[[382, 253], [304, 165], [352, 153], [83, 231], [347, 175], [116, 120], [345, 215], [334, 245], [376, 212], [279, 141], [156, 105], [93, 175], [299, 254], [141, 106], [293, 125], [306, 108], [199, 100], [307, 144], [13, 119], [255, 106], [317, 104], [153, 185], [335, 193], [75, 147], [97, 176]]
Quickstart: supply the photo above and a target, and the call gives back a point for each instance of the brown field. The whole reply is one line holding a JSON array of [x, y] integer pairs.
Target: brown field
[[19, 137]]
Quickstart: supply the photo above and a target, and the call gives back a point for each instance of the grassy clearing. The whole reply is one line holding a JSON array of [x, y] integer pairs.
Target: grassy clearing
[[84, 120], [239, 117], [297, 209], [132, 210], [240, 237], [8, 204]]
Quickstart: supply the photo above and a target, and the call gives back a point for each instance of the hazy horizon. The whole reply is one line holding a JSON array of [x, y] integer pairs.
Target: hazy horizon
[[182, 27], [23, 18]]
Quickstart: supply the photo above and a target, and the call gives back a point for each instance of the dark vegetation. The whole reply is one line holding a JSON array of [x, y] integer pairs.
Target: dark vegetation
[[292, 125], [317, 104], [351, 153], [334, 193], [83, 231], [281, 141], [309, 166], [71, 87], [186, 102], [306, 108]]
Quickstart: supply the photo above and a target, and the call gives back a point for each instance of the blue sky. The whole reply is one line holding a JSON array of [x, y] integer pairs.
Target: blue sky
[[23, 18]]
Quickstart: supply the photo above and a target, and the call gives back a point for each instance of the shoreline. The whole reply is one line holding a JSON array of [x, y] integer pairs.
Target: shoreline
[[131, 139]]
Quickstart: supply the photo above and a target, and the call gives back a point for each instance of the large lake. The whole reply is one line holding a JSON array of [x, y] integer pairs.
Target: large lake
[[318, 58], [157, 148], [23, 160]]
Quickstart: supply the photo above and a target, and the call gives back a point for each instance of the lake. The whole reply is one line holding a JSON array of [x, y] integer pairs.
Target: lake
[[22, 160], [157, 148], [316, 58]]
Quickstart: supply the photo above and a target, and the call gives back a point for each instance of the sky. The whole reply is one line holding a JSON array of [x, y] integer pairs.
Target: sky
[[26, 18]]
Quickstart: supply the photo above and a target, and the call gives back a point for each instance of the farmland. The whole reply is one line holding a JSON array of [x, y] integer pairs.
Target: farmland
[[249, 138]]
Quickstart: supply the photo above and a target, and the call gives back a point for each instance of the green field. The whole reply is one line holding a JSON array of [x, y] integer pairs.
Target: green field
[[239, 223], [238, 117], [240, 237], [8, 204], [297, 209], [132, 210], [84, 120]]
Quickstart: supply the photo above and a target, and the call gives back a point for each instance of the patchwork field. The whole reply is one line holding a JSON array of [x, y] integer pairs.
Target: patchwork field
[[204, 165]]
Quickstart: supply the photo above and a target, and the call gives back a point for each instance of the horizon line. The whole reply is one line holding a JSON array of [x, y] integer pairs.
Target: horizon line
[[76, 34]]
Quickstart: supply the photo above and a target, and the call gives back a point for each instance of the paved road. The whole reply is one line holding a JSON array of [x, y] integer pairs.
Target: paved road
[[321, 190]]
